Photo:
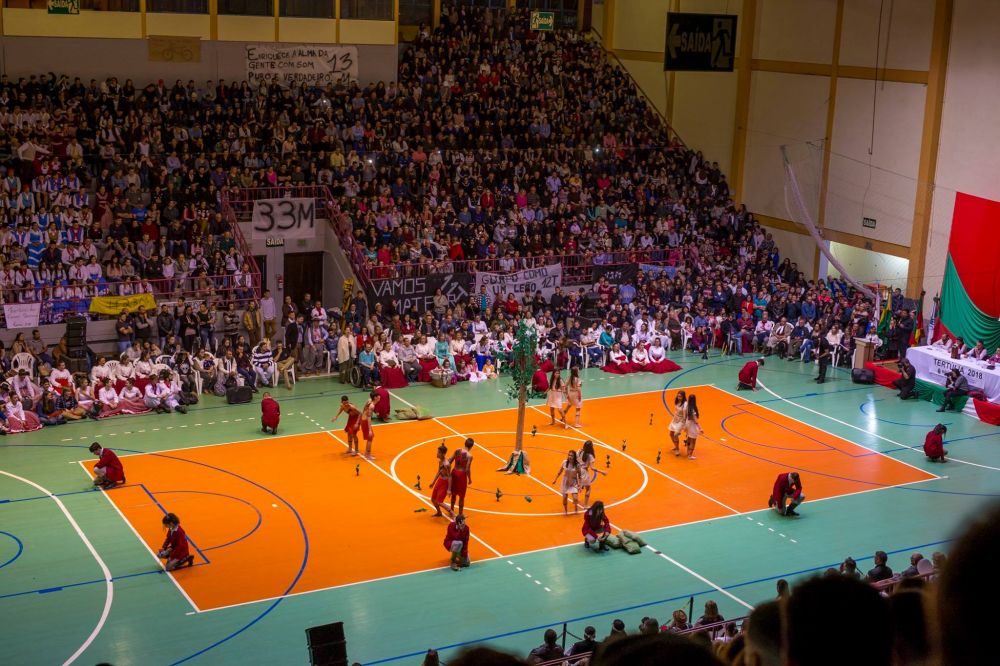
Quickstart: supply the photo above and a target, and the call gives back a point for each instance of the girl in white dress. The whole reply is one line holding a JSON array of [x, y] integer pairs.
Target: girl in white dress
[[692, 426], [677, 423], [588, 470], [556, 397], [640, 359], [570, 473], [574, 396]]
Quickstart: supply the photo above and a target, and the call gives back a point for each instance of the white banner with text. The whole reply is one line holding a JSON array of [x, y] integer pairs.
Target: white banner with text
[[284, 218], [544, 279], [313, 65]]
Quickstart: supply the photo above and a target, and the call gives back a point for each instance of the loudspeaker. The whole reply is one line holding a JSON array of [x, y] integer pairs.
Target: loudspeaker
[[327, 646], [238, 395], [75, 365], [863, 376]]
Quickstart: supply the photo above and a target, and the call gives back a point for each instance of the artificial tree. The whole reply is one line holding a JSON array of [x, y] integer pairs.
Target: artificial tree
[[523, 365]]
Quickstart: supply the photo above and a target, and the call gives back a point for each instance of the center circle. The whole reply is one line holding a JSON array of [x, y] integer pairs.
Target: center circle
[[537, 487]]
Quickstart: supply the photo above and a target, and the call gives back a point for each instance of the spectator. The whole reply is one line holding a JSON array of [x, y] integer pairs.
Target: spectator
[[881, 570], [651, 650], [764, 635], [548, 650], [584, 646], [617, 632]]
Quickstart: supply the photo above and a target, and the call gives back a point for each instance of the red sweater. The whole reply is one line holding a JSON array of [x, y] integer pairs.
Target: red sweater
[[748, 374], [178, 543], [589, 531], [934, 445], [783, 486], [456, 533], [270, 412], [113, 469]]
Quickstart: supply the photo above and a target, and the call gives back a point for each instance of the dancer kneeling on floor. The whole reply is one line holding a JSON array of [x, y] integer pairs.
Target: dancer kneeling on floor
[[787, 487], [175, 547], [596, 527], [456, 541], [108, 472]]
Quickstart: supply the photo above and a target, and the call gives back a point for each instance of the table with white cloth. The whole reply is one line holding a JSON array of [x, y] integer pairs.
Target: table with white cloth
[[933, 363]]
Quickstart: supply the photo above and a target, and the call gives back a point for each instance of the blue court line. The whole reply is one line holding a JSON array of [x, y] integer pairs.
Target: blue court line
[[962, 439], [582, 618], [826, 447], [20, 548], [66, 494], [812, 394], [165, 512], [67, 586], [273, 605], [899, 423], [260, 517]]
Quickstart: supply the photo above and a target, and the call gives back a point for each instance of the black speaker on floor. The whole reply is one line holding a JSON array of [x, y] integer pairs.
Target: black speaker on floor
[[76, 365], [76, 332], [327, 646], [863, 376]]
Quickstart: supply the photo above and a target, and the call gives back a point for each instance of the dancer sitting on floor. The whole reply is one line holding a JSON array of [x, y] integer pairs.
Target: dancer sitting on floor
[[108, 472], [596, 527]]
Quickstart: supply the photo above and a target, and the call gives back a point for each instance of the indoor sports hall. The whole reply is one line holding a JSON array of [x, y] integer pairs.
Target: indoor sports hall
[[748, 244]]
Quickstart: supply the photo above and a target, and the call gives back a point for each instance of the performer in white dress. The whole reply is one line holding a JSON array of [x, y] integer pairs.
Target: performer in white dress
[[556, 396], [677, 423], [570, 473], [588, 470], [691, 425]]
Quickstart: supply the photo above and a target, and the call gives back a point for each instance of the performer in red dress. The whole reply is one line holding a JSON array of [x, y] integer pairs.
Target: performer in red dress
[[748, 375], [934, 444], [108, 472], [270, 414], [382, 408], [175, 547], [366, 423], [461, 474], [787, 487], [456, 541], [596, 527], [353, 421], [441, 485]]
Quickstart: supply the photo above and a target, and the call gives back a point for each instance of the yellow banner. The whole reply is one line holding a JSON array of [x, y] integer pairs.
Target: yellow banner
[[113, 305]]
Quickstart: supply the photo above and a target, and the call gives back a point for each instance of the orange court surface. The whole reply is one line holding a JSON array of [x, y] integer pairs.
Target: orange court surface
[[293, 514]]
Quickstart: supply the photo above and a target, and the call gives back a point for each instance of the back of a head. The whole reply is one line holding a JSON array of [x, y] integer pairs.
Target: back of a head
[[964, 586], [818, 610], [763, 634], [654, 650], [910, 624], [481, 656]]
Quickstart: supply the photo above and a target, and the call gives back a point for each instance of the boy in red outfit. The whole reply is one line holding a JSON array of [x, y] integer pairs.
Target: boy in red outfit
[[108, 472], [748, 375], [787, 487], [270, 414], [456, 541], [175, 547], [934, 444]]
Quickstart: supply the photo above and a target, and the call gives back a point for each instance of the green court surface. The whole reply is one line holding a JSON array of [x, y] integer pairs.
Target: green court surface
[[78, 584]]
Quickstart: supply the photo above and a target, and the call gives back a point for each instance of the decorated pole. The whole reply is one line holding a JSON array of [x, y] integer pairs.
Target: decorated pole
[[523, 368]]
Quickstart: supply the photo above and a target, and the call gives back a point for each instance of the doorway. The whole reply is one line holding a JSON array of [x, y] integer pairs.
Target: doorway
[[304, 274]]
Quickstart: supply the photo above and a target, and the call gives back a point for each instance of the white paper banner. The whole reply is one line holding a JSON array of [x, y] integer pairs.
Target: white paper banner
[[544, 279], [21, 315], [284, 218], [313, 65]]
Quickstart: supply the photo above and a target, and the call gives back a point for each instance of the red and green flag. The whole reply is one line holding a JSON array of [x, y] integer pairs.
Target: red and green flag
[[918, 327]]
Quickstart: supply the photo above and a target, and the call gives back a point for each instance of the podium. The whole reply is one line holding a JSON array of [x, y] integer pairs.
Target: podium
[[864, 352]]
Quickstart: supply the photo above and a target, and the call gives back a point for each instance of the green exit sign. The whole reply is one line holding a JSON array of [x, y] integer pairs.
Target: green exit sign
[[543, 20], [63, 6]]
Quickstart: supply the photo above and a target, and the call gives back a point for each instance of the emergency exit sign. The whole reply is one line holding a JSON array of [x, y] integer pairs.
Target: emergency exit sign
[[868, 222], [700, 42], [543, 20]]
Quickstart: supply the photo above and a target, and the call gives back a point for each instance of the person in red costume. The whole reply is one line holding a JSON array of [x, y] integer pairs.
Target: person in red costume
[[353, 422], [787, 487], [596, 527], [461, 474], [456, 541], [270, 414], [175, 547], [934, 444], [108, 472], [748, 375], [382, 406], [441, 485]]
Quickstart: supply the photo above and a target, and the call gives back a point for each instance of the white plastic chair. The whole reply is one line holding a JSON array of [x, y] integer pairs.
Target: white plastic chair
[[113, 367], [23, 360]]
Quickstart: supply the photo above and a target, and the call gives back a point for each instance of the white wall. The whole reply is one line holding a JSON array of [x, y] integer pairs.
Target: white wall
[[798, 30], [904, 41], [969, 148], [785, 109], [867, 266], [798, 247], [641, 25], [880, 185]]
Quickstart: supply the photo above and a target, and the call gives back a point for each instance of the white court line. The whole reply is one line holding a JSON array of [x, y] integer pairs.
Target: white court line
[[144, 545], [109, 583], [868, 432], [550, 488]]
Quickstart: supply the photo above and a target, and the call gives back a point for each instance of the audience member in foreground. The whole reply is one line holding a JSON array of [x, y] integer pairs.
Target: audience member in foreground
[[663, 648]]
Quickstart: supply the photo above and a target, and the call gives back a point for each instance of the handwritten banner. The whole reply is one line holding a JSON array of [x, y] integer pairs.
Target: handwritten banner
[[544, 279], [288, 65], [21, 315], [113, 305]]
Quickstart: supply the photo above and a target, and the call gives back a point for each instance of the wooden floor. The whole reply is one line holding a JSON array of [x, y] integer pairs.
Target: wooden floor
[[290, 531]]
